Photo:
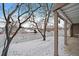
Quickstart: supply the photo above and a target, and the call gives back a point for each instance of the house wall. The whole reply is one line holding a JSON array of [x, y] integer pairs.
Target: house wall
[[75, 30]]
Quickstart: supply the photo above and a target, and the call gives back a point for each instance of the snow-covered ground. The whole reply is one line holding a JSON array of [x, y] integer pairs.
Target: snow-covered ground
[[33, 45]]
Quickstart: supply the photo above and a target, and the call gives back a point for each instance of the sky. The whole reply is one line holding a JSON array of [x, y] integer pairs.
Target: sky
[[8, 6], [0, 10], [11, 6]]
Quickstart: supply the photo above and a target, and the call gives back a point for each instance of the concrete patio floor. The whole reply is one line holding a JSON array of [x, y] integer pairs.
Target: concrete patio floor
[[73, 46]]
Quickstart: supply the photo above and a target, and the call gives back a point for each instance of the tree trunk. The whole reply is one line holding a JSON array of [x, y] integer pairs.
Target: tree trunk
[[5, 49], [44, 37], [45, 24]]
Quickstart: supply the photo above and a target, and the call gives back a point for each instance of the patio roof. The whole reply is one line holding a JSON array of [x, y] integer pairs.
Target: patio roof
[[69, 12]]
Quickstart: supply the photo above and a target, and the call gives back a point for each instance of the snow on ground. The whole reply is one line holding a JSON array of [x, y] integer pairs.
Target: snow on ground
[[2, 37], [37, 48], [34, 46]]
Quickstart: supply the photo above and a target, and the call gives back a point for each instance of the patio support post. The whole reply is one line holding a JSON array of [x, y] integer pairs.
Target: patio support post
[[55, 33], [65, 32]]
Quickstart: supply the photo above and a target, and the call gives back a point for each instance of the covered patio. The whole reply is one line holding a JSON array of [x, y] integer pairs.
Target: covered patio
[[69, 13]]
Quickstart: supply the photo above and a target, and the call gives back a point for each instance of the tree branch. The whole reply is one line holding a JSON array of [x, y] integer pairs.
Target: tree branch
[[3, 8], [14, 10], [36, 27], [15, 32], [24, 12], [31, 14]]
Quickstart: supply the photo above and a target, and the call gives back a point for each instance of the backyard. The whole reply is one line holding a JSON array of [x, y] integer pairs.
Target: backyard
[[31, 44]]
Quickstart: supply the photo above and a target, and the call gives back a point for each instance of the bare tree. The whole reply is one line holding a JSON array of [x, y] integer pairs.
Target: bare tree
[[37, 26], [47, 12], [47, 15], [10, 23]]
